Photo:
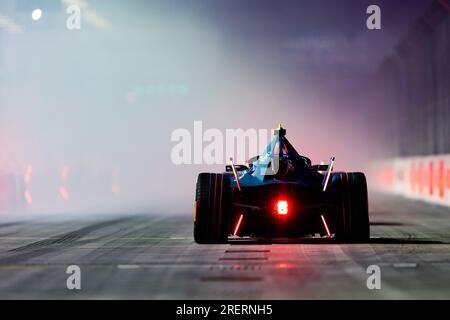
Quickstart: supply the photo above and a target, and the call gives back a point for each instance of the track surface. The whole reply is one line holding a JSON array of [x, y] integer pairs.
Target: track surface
[[154, 257]]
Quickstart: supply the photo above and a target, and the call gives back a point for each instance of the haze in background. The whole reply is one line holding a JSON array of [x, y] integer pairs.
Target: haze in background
[[91, 112]]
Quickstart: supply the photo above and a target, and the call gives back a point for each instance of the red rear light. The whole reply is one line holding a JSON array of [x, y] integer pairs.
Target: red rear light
[[282, 207]]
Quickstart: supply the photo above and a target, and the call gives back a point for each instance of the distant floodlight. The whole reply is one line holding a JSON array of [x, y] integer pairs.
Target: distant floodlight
[[36, 14]]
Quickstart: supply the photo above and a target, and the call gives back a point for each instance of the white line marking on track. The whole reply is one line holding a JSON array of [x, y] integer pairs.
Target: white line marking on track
[[405, 265], [128, 266]]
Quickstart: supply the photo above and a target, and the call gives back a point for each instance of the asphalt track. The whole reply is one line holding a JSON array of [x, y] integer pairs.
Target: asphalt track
[[148, 256]]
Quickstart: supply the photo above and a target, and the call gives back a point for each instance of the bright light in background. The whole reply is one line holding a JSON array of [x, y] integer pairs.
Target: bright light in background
[[36, 14]]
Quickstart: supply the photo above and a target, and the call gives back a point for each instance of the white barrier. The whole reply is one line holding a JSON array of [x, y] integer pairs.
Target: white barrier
[[426, 178]]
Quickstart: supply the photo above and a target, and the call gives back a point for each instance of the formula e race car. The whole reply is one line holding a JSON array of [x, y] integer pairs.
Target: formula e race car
[[281, 195]]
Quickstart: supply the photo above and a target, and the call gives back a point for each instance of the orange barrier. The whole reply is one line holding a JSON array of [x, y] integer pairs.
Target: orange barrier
[[426, 178]]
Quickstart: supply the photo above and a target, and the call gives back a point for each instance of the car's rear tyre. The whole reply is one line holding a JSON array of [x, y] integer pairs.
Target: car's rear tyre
[[212, 207], [351, 218], [341, 220], [359, 206]]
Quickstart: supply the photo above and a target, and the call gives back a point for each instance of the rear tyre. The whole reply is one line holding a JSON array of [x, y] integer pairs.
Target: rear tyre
[[359, 206], [350, 199], [212, 207], [341, 202]]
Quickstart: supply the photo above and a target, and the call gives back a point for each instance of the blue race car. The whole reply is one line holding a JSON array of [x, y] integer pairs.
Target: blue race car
[[281, 195]]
